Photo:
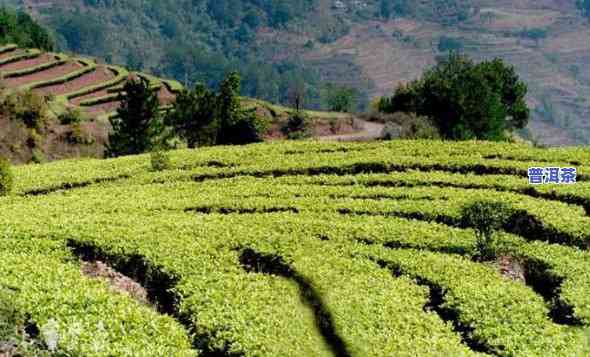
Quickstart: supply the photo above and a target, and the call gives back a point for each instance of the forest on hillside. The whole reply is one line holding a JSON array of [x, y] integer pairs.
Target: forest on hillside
[[200, 41], [318, 46]]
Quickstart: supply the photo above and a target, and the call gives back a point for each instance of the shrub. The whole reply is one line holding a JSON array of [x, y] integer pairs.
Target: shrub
[[485, 218], [160, 160], [298, 126], [417, 127], [38, 157], [391, 131], [249, 128], [6, 177], [339, 99], [77, 135], [27, 107], [407, 126], [71, 115]]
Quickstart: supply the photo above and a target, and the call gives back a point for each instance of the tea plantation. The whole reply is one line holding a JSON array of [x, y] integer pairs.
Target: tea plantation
[[302, 249]]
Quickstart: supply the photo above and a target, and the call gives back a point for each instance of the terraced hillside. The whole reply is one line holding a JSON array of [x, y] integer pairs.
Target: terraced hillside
[[73, 81], [301, 249]]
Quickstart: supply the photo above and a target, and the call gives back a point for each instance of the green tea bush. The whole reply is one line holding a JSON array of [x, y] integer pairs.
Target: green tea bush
[[6, 177], [38, 157], [14, 340], [160, 160], [485, 218]]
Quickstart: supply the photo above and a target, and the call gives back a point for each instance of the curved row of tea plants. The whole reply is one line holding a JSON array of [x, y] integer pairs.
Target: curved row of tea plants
[[303, 248]]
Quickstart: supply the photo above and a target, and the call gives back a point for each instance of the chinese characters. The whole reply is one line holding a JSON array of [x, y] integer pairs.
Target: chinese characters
[[552, 175]]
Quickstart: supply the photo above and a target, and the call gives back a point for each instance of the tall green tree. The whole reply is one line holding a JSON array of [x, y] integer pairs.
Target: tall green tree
[[466, 100], [228, 106], [138, 126], [340, 99], [19, 28], [194, 116]]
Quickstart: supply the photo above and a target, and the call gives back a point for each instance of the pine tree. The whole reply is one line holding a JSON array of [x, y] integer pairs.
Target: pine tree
[[228, 104], [137, 127]]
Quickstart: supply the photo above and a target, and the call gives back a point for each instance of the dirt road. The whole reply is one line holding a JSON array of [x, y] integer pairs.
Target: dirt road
[[370, 131]]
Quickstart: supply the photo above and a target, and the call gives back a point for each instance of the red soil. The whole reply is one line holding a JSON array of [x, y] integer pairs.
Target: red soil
[[101, 74], [165, 96], [116, 280], [100, 93], [44, 75], [44, 58], [105, 107], [10, 53]]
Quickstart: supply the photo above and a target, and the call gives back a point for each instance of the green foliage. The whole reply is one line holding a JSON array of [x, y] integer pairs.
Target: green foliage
[[487, 218], [76, 135], [228, 106], [333, 213], [298, 126], [446, 12], [71, 115], [138, 127], [6, 177], [21, 29], [25, 106], [160, 160], [401, 125], [205, 118], [194, 116], [236, 126], [37, 156], [466, 100], [191, 51], [340, 99]]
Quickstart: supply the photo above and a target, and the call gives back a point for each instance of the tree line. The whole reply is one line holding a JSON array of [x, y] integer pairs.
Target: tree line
[[199, 116], [19, 28]]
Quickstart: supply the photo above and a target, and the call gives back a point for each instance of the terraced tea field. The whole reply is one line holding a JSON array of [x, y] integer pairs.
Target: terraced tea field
[[302, 249], [75, 81]]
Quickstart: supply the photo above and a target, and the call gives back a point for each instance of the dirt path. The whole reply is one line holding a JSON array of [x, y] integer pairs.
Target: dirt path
[[370, 131]]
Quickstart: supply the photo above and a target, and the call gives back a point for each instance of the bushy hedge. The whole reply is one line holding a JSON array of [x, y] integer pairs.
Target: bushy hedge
[[6, 177]]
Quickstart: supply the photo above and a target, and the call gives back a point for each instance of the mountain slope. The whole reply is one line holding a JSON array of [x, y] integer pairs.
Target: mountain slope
[[370, 45]]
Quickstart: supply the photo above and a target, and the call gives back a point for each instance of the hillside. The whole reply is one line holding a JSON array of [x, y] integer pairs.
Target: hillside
[[298, 249], [81, 94], [370, 45]]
